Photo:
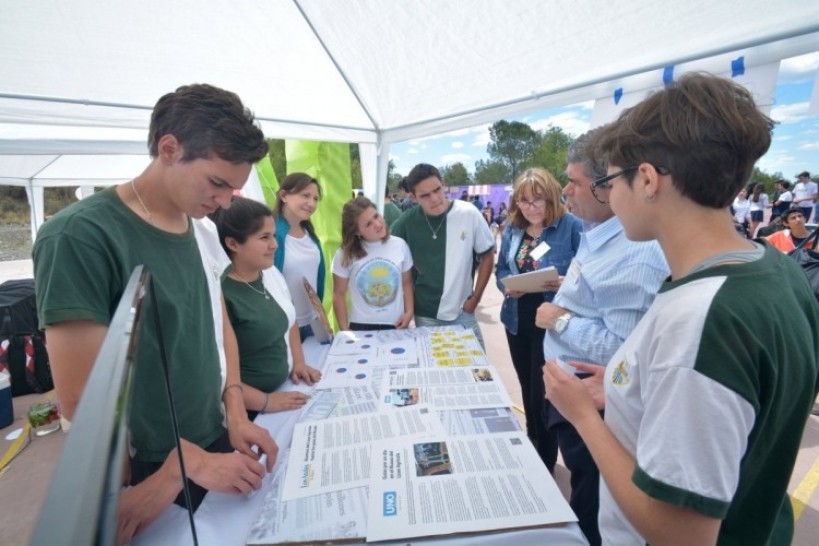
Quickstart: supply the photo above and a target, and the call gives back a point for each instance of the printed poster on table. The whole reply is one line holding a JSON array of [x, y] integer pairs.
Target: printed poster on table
[[444, 389], [461, 484], [334, 454]]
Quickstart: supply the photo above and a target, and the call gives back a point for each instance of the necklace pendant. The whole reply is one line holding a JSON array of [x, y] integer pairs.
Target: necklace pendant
[[266, 295], [434, 236]]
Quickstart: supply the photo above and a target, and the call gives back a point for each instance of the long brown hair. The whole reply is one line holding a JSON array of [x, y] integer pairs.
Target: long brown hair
[[351, 247], [294, 183], [758, 187], [542, 185]]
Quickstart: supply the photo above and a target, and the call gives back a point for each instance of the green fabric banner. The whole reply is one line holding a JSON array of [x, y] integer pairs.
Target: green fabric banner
[[268, 181], [329, 163]]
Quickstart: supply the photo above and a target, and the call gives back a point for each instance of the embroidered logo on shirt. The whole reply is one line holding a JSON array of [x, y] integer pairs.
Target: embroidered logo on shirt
[[463, 236], [620, 375]]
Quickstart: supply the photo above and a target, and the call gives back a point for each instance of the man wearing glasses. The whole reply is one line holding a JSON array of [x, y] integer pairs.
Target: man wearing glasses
[[609, 286], [707, 399], [442, 236]]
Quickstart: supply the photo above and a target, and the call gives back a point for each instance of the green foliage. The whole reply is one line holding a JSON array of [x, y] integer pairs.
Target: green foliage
[[551, 154], [455, 174], [393, 178], [278, 158], [491, 172], [14, 207], [513, 144], [355, 167], [766, 178]]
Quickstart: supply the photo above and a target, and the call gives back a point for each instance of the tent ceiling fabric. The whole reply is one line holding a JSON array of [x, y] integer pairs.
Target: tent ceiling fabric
[[353, 65], [78, 78]]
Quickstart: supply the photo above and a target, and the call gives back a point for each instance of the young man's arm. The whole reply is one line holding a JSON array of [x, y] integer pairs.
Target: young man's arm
[[72, 349], [140, 505], [658, 522], [244, 435], [484, 272]]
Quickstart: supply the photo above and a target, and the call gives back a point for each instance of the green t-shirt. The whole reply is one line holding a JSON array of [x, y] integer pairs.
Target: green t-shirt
[[391, 213], [260, 326], [83, 258], [443, 249]]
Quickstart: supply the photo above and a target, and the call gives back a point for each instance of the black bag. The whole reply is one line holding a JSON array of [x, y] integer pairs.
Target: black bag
[[808, 260], [22, 345]]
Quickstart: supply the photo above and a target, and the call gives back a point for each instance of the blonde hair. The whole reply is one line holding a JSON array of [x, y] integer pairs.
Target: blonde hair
[[542, 185], [351, 247]]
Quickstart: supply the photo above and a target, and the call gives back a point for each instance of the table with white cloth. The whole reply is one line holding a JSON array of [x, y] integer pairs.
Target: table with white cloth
[[225, 520]]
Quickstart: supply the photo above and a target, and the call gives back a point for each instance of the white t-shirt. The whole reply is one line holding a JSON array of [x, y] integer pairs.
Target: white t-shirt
[[762, 204], [741, 210], [801, 191], [376, 289], [301, 260]]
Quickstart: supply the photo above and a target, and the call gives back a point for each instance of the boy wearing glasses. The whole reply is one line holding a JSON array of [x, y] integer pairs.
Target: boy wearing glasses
[[609, 285], [705, 402], [442, 236]]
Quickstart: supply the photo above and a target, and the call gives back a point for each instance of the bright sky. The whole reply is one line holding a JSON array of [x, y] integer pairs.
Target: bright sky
[[795, 146]]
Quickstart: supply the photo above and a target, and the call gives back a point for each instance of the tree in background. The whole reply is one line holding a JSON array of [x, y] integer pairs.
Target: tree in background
[[513, 144], [491, 172], [551, 153], [768, 179], [393, 178], [455, 175]]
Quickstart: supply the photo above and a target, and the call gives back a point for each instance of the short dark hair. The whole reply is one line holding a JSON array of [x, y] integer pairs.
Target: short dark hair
[[706, 130], [419, 173], [207, 121], [244, 218], [792, 210]]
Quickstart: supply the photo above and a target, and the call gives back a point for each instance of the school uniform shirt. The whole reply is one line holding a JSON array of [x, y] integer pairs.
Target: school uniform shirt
[[711, 400], [303, 260], [442, 250]]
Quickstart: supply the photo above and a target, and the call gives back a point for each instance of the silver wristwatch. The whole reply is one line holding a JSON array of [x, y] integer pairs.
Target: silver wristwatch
[[562, 322]]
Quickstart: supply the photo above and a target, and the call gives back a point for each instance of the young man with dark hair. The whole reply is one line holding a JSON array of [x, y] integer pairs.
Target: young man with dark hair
[[804, 194], [705, 402], [442, 236], [203, 143], [794, 233]]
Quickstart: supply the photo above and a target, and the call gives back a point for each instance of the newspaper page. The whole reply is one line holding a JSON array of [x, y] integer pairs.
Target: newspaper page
[[460, 485], [340, 402], [465, 388], [335, 516], [479, 421], [334, 454], [449, 348]]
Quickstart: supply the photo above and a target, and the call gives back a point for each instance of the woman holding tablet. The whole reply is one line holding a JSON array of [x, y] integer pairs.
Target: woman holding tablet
[[539, 233]]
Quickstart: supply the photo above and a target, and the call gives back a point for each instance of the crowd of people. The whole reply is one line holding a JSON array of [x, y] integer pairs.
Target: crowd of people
[[675, 406]]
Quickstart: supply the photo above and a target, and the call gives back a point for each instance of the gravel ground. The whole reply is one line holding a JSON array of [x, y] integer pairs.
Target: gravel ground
[[15, 242]]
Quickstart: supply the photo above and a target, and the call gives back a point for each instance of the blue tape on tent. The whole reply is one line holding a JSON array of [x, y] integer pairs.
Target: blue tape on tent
[[618, 94], [668, 74], [738, 67]]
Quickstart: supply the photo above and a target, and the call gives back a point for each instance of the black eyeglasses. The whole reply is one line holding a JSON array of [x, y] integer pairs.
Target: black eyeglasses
[[604, 183]]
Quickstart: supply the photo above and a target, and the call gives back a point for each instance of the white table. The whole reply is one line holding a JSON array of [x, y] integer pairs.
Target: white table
[[224, 520]]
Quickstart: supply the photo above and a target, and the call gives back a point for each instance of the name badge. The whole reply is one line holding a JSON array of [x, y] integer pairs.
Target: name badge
[[538, 252]]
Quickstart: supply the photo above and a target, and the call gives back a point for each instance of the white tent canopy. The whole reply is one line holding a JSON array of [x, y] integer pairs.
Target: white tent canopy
[[79, 78]]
